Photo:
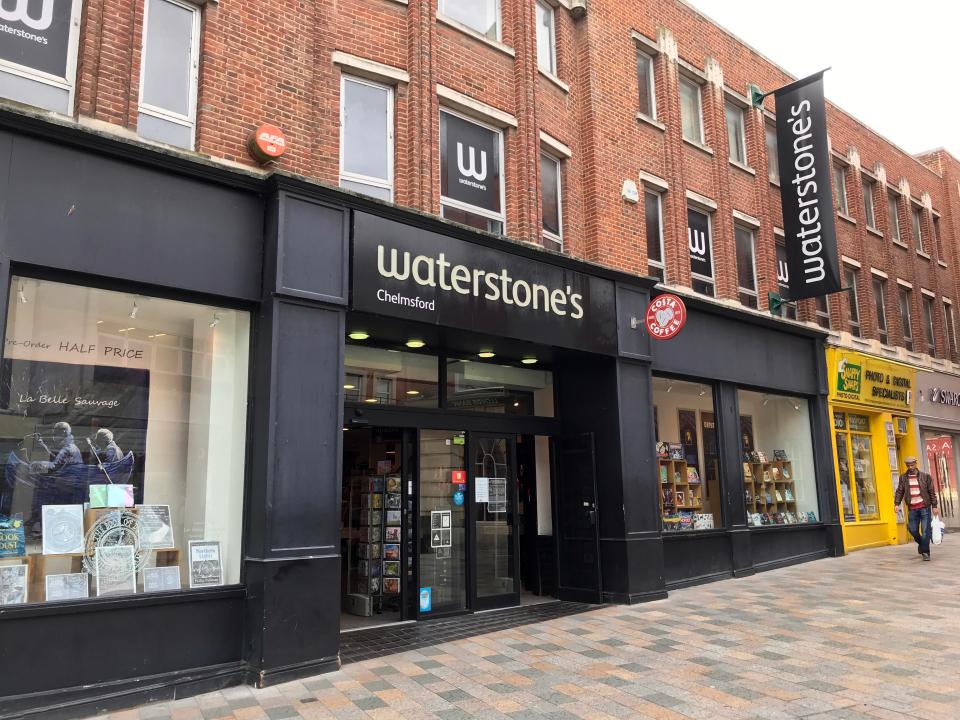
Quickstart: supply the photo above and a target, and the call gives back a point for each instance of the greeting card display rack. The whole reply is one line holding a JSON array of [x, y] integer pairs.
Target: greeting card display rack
[[371, 589]]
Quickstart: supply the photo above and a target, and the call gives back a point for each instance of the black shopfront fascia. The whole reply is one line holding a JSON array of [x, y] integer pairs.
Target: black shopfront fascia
[[731, 351]]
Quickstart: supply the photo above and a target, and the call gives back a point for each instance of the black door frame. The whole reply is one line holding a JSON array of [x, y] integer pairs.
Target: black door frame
[[507, 599]]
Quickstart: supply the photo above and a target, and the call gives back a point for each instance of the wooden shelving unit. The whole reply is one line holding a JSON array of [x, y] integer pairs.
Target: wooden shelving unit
[[677, 492], [769, 487]]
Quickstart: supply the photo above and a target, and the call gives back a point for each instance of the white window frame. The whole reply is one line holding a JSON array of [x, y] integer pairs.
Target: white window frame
[[769, 129], [882, 326], [755, 293], [712, 281], [466, 207], [651, 83], [497, 11], [356, 177], [895, 233], [702, 139], [559, 163], [662, 263], [743, 132], [937, 239], [927, 300], [68, 83], [869, 215], [906, 329], [916, 227], [854, 301], [951, 327], [840, 189], [822, 314], [553, 38], [190, 119]]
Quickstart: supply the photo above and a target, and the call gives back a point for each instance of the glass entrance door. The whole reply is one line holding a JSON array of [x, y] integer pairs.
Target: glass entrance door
[[494, 517]]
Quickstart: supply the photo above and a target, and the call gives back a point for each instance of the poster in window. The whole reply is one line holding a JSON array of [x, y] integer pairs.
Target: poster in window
[[940, 458], [698, 238], [35, 34], [81, 425], [13, 584], [711, 456], [469, 163], [206, 567], [687, 422], [746, 435]]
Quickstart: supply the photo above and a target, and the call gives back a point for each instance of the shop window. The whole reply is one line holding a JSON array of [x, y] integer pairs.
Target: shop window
[[38, 52], [840, 189], [905, 320], [951, 330], [550, 202], [917, 220], [822, 311], [482, 16], [647, 84], [168, 72], [691, 111], [390, 377], [879, 292], [653, 216], [688, 455], [850, 276], [366, 137], [868, 212], [736, 137], [779, 477], [471, 176], [124, 440], [928, 333], [773, 166], [546, 38], [500, 389], [789, 309], [700, 244], [856, 467], [746, 272], [893, 216]]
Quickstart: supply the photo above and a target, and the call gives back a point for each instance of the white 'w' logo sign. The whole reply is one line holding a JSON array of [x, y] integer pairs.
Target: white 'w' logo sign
[[471, 171], [20, 14], [783, 273], [697, 241]]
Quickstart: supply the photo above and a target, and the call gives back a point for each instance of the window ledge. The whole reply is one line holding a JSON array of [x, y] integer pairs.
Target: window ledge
[[554, 79], [495, 44], [745, 168], [399, 2], [844, 216], [644, 118], [902, 244], [941, 263], [775, 183], [874, 231], [922, 254], [698, 146]]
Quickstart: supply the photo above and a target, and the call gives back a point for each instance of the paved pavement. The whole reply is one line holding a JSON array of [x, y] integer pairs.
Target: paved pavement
[[873, 635]]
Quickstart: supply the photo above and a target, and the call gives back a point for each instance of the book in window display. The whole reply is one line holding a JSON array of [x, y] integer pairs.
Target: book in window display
[[161, 579], [394, 517], [69, 586], [13, 584], [12, 537]]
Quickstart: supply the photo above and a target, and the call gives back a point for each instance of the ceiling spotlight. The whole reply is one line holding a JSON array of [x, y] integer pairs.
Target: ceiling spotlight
[[796, 405], [529, 360], [486, 354], [21, 296], [348, 386], [413, 392], [516, 404], [99, 322], [703, 391], [134, 310], [669, 387], [215, 321], [370, 400], [415, 343], [358, 335], [766, 400]]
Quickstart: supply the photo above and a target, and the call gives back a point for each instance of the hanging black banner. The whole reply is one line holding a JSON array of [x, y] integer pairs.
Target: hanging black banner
[[805, 190]]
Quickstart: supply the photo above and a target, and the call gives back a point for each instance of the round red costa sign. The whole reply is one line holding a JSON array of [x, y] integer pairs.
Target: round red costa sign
[[268, 142], [666, 316]]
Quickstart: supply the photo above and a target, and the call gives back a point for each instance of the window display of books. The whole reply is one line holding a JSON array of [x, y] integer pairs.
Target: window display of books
[[769, 490], [681, 491]]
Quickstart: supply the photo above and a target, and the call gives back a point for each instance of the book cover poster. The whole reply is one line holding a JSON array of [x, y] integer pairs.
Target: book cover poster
[[158, 579], [82, 425], [206, 567], [12, 538], [156, 527], [746, 433], [13, 584], [63, 529], [116, 571], [687, 422], [71, 586]]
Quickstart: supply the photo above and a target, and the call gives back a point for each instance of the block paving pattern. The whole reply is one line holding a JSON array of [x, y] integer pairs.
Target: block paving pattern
[[872, 635]]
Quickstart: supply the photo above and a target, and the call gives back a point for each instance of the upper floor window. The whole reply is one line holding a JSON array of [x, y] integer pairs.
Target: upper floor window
[[546, 38], [789, 309], [823, 311], [879, 299], [773, 166], [937, 242], [483, 16], [647, 84], [951, 330], [691, 111], [700, 243], [653, 216], [38, 52], [471, 175], [893, 216], [917, 220], [746, 272], [550, 204], [168, 72], [366, 137], [868, 212], [928, 333], [850, 276], [736, 139], [905, 319], [840, 189]]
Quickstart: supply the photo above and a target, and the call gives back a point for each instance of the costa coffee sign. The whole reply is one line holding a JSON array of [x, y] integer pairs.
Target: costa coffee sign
[[666, 316], [267, 143]]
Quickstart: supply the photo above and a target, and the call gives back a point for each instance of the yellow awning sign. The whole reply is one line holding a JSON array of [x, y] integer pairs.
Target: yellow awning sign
[[870, 381]]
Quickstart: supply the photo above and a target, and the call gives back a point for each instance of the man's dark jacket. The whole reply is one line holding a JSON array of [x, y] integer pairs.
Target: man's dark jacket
[[927, 492]]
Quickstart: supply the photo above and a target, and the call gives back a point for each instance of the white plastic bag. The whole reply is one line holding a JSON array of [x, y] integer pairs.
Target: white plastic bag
[[936, 527]]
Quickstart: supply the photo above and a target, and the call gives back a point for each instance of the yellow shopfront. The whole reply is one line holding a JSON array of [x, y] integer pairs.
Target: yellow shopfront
[[871, 403]]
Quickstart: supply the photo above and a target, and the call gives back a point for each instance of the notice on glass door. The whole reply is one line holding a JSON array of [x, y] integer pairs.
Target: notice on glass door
[[481, 489], [497, 495]]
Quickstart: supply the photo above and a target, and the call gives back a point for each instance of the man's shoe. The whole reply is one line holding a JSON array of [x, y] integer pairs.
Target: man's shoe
[[926, 556]]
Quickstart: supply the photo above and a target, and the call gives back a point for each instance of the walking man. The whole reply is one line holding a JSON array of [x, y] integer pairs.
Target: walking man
[[917, 489]]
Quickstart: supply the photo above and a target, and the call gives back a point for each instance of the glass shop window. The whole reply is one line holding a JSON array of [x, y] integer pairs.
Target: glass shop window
[[502, 389], [688, 456], [123, 429], [390, 377], [779, 477], [855, 467]]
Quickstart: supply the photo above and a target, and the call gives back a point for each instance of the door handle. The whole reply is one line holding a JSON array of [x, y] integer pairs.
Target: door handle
[[593, 517]]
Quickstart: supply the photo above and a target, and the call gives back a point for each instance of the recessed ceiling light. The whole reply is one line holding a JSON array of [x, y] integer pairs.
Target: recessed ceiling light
[[99, 322], [516, 404], [415, 343], [370, 400], [486, 354], [348, 386], [358, 335], [413, 392], [529, 360]]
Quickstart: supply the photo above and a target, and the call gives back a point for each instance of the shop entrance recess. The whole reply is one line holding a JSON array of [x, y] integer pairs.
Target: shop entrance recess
[[494, 566], [578, 538]]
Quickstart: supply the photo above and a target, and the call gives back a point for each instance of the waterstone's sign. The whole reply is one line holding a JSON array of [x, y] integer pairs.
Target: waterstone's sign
[[805, 190], [35, 34], [419, 275]]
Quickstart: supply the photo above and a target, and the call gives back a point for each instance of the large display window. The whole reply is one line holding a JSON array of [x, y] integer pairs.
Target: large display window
[[688, 456], [779, 476], [855, 467], [123, 433]]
